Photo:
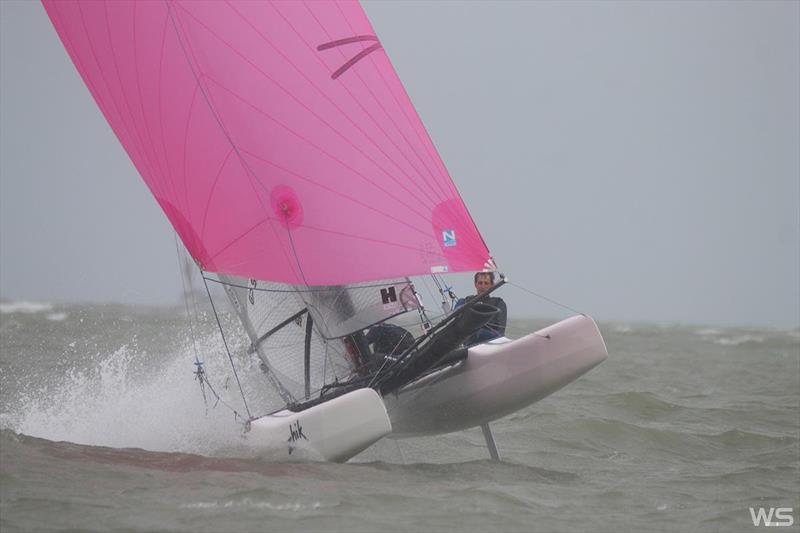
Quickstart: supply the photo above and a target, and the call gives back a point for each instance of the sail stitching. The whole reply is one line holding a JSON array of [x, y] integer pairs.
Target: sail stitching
[[168, 177], [435, 156], [93, 87], [238, 151], [185, 147], [325, 95], [250, 174], [143, 151], [453, 191], [322, 150], [144, 155], [340, 134], [334, 191], [139, 86], [211, 193], [360, 104], [442, 193]]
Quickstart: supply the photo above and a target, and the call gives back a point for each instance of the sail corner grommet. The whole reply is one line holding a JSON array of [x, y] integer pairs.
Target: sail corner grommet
[[286, 206]]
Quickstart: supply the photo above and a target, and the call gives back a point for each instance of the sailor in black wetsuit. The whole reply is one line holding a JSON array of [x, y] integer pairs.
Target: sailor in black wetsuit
[[497, 326], [388, 339]]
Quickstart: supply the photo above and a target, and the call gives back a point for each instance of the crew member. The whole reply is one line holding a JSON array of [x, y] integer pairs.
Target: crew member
[[497, 326]]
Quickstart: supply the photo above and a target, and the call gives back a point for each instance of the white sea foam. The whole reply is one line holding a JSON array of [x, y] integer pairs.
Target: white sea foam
[[251, 504], [741, 339], [708, 332], [116, 405], [56, 317], [25, 307]]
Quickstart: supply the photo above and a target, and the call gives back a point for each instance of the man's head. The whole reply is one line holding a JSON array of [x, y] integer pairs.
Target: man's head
[[483, 281]]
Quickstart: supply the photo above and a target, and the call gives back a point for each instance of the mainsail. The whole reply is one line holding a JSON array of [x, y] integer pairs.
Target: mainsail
[[283, 148], [276, 137], [300, 334]]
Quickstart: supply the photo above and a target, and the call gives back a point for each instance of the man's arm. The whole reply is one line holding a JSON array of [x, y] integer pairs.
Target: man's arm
[[461, 302], [499, 323]]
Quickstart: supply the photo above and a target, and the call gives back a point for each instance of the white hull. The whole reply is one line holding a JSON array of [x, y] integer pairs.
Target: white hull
[[332, 431], [496, 379]]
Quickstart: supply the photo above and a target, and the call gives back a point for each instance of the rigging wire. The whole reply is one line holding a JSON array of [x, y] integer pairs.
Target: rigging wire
[[200, 372], [295, 288], [230, 357], [555, 302], [431, 293], [445, 291]]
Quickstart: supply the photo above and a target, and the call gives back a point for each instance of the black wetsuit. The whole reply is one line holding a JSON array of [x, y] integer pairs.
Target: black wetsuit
[[389, 339], [496, 327]]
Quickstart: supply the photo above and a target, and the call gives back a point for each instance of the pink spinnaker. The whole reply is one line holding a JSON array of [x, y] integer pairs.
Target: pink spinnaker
[[276, 137]]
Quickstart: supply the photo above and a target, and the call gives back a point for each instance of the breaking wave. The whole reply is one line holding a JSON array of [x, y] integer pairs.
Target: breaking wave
[[25, 307], [740, 339], [118, 404]]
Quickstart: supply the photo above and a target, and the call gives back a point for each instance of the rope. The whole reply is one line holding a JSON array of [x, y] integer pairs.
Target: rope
[[546, 298], [199, 372], [197, 362], [446, 291], [230, 357], [201, 375], [297, 289]]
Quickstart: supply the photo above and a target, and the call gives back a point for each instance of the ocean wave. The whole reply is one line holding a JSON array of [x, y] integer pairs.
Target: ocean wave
[[25, 307], [708, 332], [247, 503], [162, 408], [56, 317], [644, 404], [741, 339]]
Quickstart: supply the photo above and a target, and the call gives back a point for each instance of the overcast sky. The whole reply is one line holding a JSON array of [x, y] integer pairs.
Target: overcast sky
[[636, 160]]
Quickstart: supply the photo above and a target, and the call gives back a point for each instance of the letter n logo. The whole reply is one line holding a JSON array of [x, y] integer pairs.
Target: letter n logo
[[449, 237]]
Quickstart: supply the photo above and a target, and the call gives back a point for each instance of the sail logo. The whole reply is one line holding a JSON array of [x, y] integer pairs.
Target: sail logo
[[250, 293], [449, 237], [389, 297], [763, 516], [356, 58], [295, 434]]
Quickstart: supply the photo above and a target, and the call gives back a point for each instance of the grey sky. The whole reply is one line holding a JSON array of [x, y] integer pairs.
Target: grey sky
[[635, 160]]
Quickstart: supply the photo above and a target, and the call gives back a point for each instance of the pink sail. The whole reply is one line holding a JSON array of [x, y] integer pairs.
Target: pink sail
[[276, 137]]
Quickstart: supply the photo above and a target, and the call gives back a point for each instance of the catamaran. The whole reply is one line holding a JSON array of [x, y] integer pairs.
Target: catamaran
[[281, 145]]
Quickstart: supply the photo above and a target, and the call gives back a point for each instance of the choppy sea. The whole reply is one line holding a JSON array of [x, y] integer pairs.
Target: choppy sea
[[103, 427]]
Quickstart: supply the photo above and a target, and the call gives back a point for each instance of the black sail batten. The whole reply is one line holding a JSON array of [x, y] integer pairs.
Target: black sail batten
[[307, 356], [254, 347]]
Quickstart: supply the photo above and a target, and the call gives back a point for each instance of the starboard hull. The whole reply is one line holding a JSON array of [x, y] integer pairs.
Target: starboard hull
[[496, 379]]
